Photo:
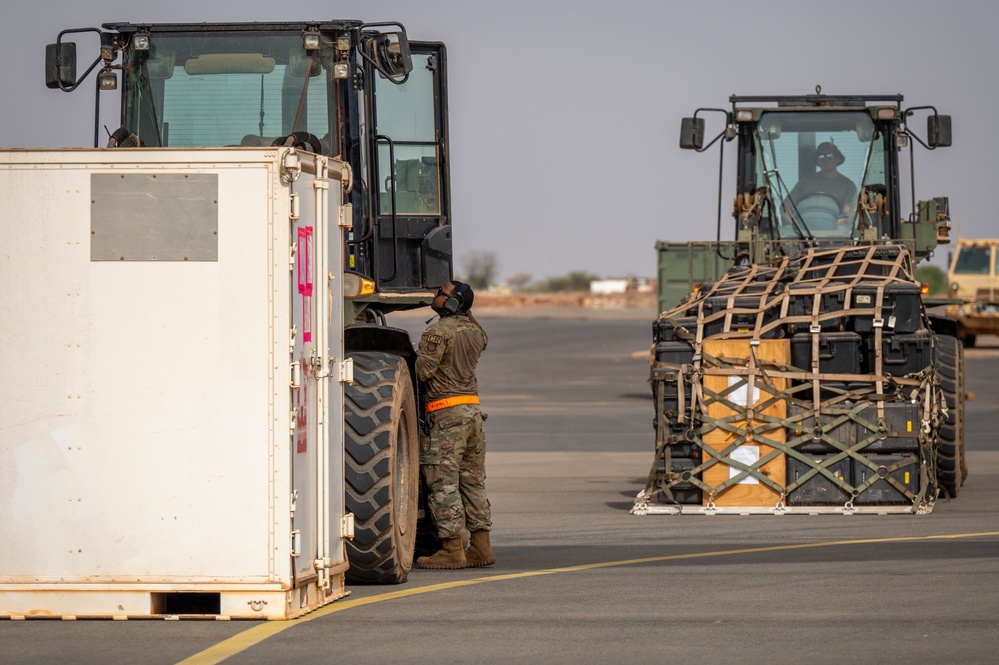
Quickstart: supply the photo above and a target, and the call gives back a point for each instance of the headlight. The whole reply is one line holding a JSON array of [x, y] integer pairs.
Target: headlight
[[355, 285]]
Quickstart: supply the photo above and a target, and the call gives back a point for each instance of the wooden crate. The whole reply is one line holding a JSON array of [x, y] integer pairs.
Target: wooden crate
[[749, 491]]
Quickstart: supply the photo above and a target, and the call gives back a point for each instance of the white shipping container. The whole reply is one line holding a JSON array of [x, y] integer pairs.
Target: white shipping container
[[171, 402]]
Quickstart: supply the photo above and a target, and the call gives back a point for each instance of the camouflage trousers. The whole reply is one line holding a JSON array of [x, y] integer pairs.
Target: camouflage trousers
[[453, 459]]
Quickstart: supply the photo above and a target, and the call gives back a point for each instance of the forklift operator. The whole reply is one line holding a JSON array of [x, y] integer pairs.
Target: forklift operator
[[827, 180]]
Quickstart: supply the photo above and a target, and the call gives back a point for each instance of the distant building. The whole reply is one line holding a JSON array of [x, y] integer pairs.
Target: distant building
[[606, 287], [644, 285], [620, 286]]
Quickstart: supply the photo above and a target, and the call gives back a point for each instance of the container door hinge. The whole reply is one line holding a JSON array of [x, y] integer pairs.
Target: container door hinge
[[321, 566], [347, 216], [293, 214], [291, 166], [347, 371], [296, 543], [347, 526], [346, 177]]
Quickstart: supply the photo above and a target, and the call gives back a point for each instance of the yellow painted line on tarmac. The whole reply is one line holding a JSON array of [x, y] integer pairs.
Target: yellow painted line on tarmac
[[259, 633]]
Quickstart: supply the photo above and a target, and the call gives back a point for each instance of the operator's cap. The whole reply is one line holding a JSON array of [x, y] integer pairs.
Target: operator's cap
[[829, 148]]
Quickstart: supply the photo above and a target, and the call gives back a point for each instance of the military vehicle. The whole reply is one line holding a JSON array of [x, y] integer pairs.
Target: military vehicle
[[795, 367], [974, 282], [239, 413]]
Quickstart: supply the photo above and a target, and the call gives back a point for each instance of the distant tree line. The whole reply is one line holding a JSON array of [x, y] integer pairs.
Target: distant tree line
[[480, 269], [572, 282]]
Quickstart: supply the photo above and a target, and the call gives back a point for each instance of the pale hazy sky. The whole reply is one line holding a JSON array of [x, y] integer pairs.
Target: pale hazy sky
[[565, 115]]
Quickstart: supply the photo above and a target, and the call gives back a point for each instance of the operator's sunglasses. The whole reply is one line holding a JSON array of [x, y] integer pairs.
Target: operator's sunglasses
[[827, 154], [440, 292]]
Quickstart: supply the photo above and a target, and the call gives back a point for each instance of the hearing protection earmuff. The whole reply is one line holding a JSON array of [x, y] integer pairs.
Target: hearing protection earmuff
[[460, 299]]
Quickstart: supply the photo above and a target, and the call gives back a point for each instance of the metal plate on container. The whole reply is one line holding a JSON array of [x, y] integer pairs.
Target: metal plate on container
[[154, 217]]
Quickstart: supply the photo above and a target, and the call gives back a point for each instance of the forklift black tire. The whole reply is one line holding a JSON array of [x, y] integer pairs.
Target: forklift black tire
[[951, 466], [381, 468]]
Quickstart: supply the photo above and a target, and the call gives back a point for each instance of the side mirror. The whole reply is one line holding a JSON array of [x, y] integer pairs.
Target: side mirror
[[938, 131], [161, 63], [60, 65], [865, 131], [770, 126], [301, 63], [692, 133], [391, 55]]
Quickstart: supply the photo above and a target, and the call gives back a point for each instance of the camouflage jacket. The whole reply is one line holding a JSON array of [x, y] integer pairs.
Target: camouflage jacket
[[448, 355]]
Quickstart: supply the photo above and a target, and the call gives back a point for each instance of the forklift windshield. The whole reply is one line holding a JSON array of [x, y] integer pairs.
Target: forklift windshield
[[198, 90], [816, 165]]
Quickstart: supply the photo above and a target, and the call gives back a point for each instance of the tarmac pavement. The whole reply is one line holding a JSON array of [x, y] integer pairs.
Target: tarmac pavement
[[580, 580]]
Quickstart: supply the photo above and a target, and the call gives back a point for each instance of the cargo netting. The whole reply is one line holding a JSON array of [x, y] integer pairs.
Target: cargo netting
[[809, 386]]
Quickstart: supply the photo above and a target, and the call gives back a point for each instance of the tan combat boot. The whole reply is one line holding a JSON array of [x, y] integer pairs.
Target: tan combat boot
[[480, 552], [451, 556]]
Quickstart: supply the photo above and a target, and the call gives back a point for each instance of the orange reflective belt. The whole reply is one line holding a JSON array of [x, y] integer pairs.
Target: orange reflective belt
[[439, 404]]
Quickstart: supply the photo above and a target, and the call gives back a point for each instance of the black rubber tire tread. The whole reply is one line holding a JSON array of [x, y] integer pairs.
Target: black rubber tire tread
[[950, 463], [963, 392], [381, 468]]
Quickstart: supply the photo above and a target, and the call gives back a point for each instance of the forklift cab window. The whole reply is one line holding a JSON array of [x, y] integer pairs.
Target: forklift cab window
[[816, 164], [408, 159], [190, 90]]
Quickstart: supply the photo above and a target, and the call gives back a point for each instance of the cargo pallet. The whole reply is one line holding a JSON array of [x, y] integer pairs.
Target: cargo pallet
[[805, 388]]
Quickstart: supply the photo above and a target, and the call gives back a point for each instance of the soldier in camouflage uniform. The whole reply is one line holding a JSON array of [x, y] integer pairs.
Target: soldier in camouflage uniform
[[453, 455]]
